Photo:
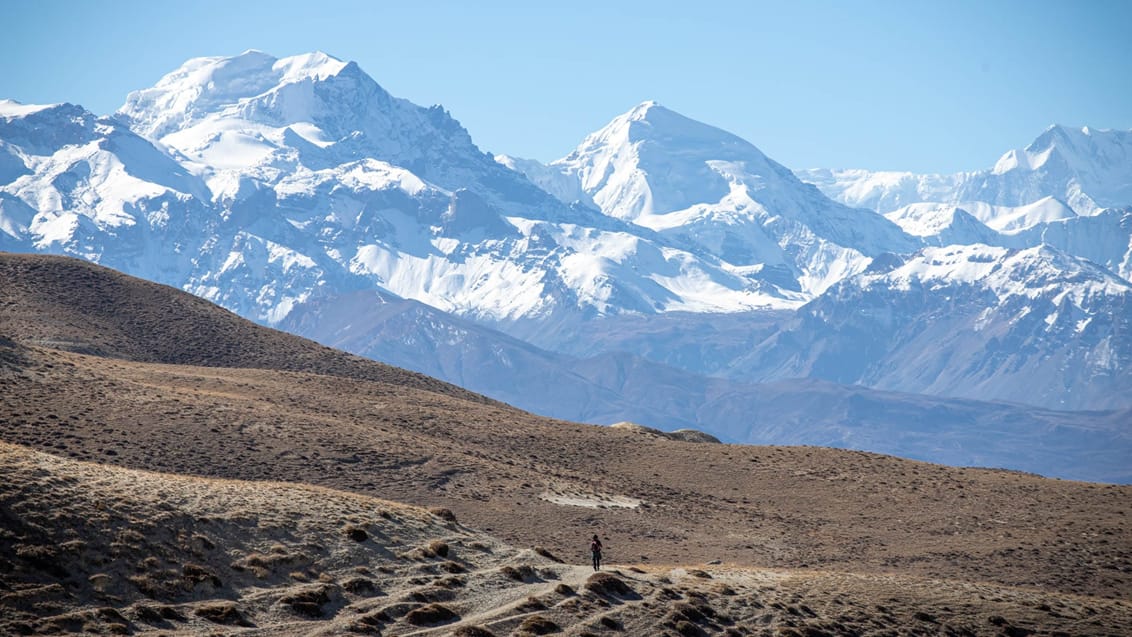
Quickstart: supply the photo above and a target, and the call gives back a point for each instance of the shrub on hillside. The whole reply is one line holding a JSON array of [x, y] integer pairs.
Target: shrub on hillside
[[431, 615], [608, 584], [223, 613], [538, 625]]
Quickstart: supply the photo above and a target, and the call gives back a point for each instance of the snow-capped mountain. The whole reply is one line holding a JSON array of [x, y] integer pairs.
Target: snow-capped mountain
[[88, 186], [1084, 169], [1070, 188], [1033, 326], [1087, 169], [705, 187], [1104, 237], [314, 180], [95, 189], [295, 191], [399, 195], [254, 117]]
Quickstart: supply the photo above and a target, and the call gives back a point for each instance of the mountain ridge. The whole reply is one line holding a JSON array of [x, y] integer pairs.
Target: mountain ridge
[[609, 387], [1025, 320], [291, 182], [1084, 167], [710, 188]]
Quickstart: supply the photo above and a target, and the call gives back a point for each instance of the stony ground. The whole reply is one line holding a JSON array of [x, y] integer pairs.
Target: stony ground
[[95, 549]]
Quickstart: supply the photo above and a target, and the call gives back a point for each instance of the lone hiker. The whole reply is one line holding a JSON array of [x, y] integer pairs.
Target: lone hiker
[[595, 549]]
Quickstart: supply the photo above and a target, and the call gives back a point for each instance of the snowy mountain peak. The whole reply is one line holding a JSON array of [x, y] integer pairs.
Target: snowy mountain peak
[[1076, 147], [255, 116], [1040, 151], [11, 111], [649, 122], [316, 65], [641, 111], [699, 185], [1092, 164], [1086, 169], [206, 85], [1031, 272], [43, 129], [652, 160], [12, 108]]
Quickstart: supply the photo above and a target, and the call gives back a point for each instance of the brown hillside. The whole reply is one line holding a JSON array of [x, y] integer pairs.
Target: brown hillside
[[69, 304], [362, 427], [99, 550]]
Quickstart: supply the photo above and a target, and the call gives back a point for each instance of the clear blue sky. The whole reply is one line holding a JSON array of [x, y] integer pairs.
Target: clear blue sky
[[925, 86]]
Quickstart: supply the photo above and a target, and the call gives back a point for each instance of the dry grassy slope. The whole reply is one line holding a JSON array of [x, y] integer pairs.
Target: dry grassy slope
[[363, 427], [75, 305], [96, 549], [497, 468]]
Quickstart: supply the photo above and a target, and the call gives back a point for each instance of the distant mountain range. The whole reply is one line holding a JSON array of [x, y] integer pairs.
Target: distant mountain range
[[1084, 169], [299, 193], [1070, 189]]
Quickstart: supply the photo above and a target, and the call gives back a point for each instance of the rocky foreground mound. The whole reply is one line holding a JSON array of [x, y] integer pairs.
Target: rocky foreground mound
[[88, 548]]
